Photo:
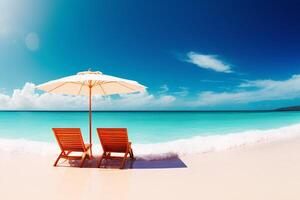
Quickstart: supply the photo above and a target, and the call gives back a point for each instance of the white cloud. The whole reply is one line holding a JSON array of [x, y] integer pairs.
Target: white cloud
[[253, 91], [259, 83], [163, 89], [183, 91], [208, 62], [32, 41], [28, 98]]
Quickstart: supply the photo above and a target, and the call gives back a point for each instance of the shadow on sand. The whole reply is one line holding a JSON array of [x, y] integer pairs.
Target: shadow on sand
[[139, 163]]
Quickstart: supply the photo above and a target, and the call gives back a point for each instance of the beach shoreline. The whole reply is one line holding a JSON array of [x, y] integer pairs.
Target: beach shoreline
[[260, 171], [166, 149]]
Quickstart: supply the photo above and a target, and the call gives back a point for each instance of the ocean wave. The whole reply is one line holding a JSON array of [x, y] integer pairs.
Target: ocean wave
[[194, 145]]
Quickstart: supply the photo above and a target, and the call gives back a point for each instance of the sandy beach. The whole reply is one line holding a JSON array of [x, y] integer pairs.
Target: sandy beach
[[262, 171]]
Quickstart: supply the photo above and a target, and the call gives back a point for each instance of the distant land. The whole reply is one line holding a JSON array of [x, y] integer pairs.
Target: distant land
[[291, 108]]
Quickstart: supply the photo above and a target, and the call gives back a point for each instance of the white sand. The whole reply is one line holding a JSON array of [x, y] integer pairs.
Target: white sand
[[264, 171]]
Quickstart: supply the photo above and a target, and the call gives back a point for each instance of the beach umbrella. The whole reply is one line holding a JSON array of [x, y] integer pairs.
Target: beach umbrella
[[91, 83]]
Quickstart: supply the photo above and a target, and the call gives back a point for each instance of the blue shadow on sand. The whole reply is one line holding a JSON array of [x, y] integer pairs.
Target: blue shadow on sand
[[139, 163], [173, 162]]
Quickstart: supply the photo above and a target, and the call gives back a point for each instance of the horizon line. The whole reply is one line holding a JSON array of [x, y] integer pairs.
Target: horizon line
[[239, 110]]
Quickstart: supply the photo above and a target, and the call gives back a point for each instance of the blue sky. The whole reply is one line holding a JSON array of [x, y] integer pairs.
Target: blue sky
[[190, 54]]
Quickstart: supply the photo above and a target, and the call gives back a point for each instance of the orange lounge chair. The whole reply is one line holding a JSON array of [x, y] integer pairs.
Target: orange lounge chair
[[70, 140], [114, 140]]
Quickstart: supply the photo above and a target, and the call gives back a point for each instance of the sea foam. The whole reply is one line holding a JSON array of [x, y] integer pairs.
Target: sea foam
[[194, 145]]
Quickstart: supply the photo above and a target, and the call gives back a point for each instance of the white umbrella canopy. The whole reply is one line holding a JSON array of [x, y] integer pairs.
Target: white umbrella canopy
[[99, 83], [90, 83]]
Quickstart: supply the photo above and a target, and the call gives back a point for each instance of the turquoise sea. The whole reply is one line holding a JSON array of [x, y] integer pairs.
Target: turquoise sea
[[143, 127]]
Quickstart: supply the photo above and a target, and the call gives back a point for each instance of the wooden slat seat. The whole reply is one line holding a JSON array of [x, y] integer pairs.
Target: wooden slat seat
[[70, 140], [114, 140]]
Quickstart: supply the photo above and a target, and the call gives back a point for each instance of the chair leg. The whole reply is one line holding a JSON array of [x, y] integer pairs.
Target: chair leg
[[55, 163], [88, 155], [131, 154], [124, 161], [102, 157], [82, 159], [108, 155]]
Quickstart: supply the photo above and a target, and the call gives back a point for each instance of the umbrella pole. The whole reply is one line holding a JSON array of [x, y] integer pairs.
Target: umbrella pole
[[90, 119]]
